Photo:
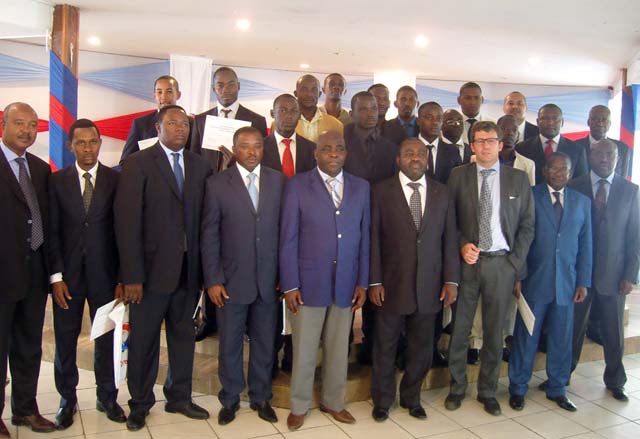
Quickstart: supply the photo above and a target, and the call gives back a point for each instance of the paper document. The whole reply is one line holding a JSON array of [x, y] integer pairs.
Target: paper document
[[286, 323], [120, 317], [147, 143], [447, 316], [101, 322], [218, 131], [525, 312]]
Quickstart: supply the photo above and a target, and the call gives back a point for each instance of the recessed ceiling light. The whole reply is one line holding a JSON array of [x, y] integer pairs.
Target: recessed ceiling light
[[93, 40], [421, 41], [243, 24], [304, 66]]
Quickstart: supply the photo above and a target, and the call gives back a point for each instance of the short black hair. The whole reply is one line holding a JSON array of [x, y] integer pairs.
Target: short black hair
[[360, 94], [166, 78], [336, 74], [283, 96], [82, 123], [429, 104], [504, 118], [166, 108], [470, 84], [245, 130], [549, 107], [225, 69], [407, 141], [377, 85], [407, 88], [557, 156], [486, 126]]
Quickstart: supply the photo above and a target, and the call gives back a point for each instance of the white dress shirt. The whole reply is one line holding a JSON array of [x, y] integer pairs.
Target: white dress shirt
[[233, 107], [459, 145], [465, 131], [497, 236], [554, 145], [553, 197], [282, 146], [408, 191], [521, 128], [169, 153], [244, 173], [434, 150], [11, 158], [339, 182]]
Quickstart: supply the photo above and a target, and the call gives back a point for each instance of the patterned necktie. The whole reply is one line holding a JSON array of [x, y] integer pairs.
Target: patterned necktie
[[430, 164], [600, 201], [87, 195], [226, 113], [253, 190], [557, 208], [415, 204], [471, 121], [485, 240], [37, 231], [177, 171], [335, 196], [287, 159], [548, 149]]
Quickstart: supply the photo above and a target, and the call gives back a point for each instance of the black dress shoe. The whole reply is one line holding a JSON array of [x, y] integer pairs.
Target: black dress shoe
[[227, 414], [439, 360], [207, 330], [379, 414], [516, 402], [190, 410], [619, 394], [112, 409], [564, 403], [473, 356], [453, 401], [136, 420], [491, 405], [64, 417], [417, 411], [265, 411]]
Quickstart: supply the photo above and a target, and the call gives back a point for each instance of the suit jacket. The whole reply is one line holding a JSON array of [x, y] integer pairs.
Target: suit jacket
[[80, 241], [530, 130], [447, 158], [325, 269], [305, 160], [532, 148], [154, 221], [622, 166], [516, 210], [240, 244], [560, 258], [197, 132], [373, 163], [616, 235], [393, 132], [412, 264], [15, 227]]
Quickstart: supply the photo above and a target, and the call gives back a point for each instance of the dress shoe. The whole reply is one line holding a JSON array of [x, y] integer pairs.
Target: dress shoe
[[341, 416], [619, 394], [205, 331], [265, 411], [190, 410], [439, 360], [491, 405], [36, 422], [4, 431], [564, 403], [64, 417], [112, 409], [453, 401], [228, 414], [516, 402], [379, 414], [417, 411], [136, 420], [473, 356], [295, 421]]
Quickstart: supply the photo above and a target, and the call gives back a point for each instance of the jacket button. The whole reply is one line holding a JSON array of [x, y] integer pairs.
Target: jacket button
[[28, 239], [339, 235], [337, 212], [86, 224], [418, 241], [335, 262], [29, 222]]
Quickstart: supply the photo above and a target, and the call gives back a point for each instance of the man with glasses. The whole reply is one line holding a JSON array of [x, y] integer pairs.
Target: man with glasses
[[452, 126]]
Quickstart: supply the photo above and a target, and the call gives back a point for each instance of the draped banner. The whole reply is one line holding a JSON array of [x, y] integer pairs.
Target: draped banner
[[63, 111], [193, 74], [15, 70], [133, 80]]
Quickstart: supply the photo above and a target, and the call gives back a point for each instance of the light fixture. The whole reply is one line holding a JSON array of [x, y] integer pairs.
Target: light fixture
[[304, 65], [93, 40], [421, 41], [243, 24]]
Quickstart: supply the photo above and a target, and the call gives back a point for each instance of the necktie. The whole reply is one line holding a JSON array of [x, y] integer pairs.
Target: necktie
[[548, 149], [87, 195], [226, 113], [37, 231], [430, 164], [470, 121], [485, 240], [600, 201], [335, 196], [557, 208], [253, 190], [287, 159], [177, 171], [415, 204]]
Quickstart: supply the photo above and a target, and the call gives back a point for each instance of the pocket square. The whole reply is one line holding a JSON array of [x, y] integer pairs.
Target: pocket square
[[513, 197]]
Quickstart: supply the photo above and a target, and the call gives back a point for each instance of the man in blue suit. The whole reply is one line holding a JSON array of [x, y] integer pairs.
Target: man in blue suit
[[559, 273], [324, 273]]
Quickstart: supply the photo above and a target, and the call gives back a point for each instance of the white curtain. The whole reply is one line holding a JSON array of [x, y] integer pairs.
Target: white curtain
[[194, 76]]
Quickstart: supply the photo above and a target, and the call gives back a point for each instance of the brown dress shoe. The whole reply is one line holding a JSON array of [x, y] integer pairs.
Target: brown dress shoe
[[341, 416], [36, 422], [295, 421], [4, 431]]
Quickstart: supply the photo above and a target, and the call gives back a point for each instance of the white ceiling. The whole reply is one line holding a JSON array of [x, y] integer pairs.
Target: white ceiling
[[575, 42]]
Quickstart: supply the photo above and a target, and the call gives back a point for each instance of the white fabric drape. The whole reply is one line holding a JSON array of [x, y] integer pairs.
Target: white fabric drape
[[194, 76]]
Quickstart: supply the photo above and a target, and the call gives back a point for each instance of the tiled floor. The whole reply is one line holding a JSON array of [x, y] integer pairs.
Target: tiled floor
[[598, 415]]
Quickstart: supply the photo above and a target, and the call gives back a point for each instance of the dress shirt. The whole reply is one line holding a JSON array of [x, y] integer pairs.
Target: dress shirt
[[244, 173], [553, 198], [459, 145], [497, 236], [233, 107], [344, 116], [465, 132], [11, 158], [521, 128], [168, 152], [321, 121], [94, 175], [408, 191], [282, 146], [595, 183], [554, 146], [433, 151], [339, 182], [413, 124]]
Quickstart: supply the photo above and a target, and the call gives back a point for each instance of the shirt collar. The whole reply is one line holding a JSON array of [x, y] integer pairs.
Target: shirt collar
[[404, 180], [233, 107], [9, 154], [339, 178], [168, 151], [435, 143], [495, 166], [244, 172], [477, 117], [93, 171], [411, 123], [552, 190], [556, 140], [279, 137], [595, 178], [316, 117], [592, 140]]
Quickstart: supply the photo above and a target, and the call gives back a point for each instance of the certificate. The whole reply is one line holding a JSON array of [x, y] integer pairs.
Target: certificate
[[447, 316], [218, 131], [147, 143], [525, 312], [101, 322]]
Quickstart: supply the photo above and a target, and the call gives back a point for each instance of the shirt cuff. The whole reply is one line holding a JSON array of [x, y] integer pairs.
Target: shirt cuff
[[373, 285], [292, 289], [451, 283], [56, 277]]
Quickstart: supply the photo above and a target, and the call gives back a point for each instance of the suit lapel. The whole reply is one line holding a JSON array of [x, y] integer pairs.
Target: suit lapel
[[614, 195], [266, 189], [430, 200], [7, 173], [165, 170], [319, 185], [239, 186], [544, 198], [401, 203], [505, 184], [72, 183]]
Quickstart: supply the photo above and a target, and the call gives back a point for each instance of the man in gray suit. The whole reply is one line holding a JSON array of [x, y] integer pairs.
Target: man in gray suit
[[495, 215]]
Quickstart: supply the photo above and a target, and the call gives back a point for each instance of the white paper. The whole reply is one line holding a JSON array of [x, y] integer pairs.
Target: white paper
[[218, 131], [120, 317], [525, 312], [447, 316], [101, 322], [286, 324], [147, 143]]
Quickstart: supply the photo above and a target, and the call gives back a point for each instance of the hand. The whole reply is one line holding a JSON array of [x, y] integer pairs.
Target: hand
[[449, 294], [133, 293], [625, 287], [118, 294], [470, 253], [359, 296], [217, 294], [376, 295], [581, 294], [226, 156], [61, 294], [293, 299], [517, 289]]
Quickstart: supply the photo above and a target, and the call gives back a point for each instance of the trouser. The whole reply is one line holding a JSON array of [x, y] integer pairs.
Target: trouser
[[475, 339]]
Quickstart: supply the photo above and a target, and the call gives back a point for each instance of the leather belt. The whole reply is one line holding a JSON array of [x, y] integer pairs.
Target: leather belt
[[492, 254]]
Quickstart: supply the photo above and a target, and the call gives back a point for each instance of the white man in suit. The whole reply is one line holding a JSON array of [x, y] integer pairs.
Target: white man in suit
[[83, 262], [515, 104]]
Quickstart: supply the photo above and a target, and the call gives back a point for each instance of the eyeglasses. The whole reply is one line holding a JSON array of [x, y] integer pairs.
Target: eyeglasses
[[491, 141], [453, 123]]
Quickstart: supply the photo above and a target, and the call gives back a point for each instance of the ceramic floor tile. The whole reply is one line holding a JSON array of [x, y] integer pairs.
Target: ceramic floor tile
[[530, 406], [459, 434], [436, 423], [122, 434], [630, 430], [587, 388], [157, 416], [370, 429], [187, 430], [74, 431], [246, 425], [95, 422], [328, 431], [630, 409], [359, 410], [315, 418], [590, 435], [591, 369], [508, 429], [592, 416], [631, 363], [470, 414], [551, 425]]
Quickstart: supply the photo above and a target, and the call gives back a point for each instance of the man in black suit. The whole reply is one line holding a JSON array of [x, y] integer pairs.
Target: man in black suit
[[515, 104], [381, 93], [538, 148], [452, 128], [599, 123], [414, 267], [242, 204], [405, 124], [470, 99], [226, 86], [157, 209], [442, 157], [23, 273], [83, 262], [166, 91]]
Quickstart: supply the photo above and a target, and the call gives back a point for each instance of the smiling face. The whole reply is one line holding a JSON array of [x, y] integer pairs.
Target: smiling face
[[166, 92], [330, 153], [515, 104], [452, 125], [19, 127], [557, 171]]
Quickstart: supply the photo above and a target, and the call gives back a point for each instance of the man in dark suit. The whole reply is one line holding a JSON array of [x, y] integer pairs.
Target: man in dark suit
[[515, 104], [616, 259], [381, 93], [166, 91], [494, 211], [452, 128], [599, 123], [226, 86], [242, 204], [324, 273], [442, 157], [470, 99], [405, 124], [157, 209], [559, 273], [23, 272], [83, 262], [407, 283], [538, 148]]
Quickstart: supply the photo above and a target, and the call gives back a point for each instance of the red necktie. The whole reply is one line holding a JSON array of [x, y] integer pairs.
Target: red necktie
[[548, 149], [287, 159]]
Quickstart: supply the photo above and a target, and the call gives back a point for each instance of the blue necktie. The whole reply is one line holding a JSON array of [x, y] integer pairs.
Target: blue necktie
[[253, 190], [177, 171]]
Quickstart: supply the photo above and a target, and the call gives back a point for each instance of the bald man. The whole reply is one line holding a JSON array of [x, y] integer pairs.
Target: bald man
[[313, 120], [515, 104]]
